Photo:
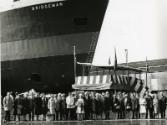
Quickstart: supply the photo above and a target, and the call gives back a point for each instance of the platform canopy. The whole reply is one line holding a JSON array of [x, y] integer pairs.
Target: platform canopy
[[108, 82]]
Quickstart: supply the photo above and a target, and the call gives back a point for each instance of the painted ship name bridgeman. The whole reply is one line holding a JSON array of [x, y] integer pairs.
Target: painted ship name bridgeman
[[46, 6]]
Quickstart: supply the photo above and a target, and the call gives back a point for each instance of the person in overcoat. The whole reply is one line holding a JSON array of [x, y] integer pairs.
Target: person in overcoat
[[98, 104], [8, 105], [149, 105], [26, 107], [44, 109], [107, 105], [118, 106], [15, 106], [31, 106], [135, 103], [128, 106], [19, 106], [58, 107], [93, 107], [38, 106], [162, 105], [87, 106], [63, 107]]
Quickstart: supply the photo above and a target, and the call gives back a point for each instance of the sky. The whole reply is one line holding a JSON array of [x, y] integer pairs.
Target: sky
[[137, 25]]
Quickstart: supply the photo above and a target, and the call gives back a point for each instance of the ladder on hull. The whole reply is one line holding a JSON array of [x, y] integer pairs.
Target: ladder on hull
[[92, 47]]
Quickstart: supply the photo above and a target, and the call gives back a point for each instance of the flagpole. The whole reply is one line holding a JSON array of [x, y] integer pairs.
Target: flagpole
[[74, 56], [109, 62], [146, 74], [115, 66], [126, 52]]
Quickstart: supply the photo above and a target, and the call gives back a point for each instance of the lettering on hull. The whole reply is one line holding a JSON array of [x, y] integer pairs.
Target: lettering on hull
[[46, 6]]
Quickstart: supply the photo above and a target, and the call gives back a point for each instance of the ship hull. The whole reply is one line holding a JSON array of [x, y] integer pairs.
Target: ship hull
[[51, 74], [37, 43]]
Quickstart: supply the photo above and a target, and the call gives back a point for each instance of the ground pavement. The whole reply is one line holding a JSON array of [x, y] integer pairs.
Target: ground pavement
[[92, 122]]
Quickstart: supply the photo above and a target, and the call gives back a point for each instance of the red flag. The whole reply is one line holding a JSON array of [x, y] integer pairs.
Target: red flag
[[115, 61]]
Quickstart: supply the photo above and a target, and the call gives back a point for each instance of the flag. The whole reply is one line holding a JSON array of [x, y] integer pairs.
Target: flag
[[109, 61], [147, 65], [75, 61], [115, 67], [115, 61]]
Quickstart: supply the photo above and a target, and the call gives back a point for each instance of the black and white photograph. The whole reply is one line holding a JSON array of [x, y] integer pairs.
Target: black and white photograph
[[83, 62]]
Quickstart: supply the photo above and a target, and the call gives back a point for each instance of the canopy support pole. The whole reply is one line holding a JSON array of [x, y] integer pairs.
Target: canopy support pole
[[74, 56]]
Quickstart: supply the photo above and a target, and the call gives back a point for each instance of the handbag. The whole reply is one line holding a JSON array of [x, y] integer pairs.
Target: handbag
[[118, 107], [128, 107], [6, 108]]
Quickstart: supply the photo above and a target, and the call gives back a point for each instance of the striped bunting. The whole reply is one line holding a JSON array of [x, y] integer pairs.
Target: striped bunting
[[125, 80], [78, 80], [118, 79], [90, 80], [114, 79], [137, 85], [99, 82], [97, 79], [85, 80], [141, 86]]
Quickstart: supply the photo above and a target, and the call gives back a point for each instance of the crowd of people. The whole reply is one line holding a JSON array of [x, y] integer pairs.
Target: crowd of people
[[84, 105]]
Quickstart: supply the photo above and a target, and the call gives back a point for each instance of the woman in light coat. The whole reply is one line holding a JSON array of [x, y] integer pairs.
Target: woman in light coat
[[51, 106], [142, 102], [155, 104], [80, 108]]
